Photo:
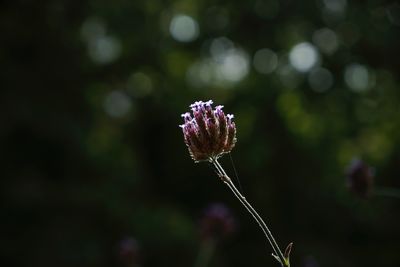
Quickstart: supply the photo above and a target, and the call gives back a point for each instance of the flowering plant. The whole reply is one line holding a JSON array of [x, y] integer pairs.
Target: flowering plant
[[209, 134]]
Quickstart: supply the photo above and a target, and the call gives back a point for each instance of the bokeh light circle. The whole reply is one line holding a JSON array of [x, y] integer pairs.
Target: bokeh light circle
[[320, 80], [357, 77], [265, 61], [184, 28], [303, 56]]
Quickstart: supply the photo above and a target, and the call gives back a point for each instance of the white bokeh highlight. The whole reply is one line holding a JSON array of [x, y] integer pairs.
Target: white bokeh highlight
[[326, 40], [320, 80], [265, 61], [104, 49], [117, 104], [139, 84], [234, 66], [336, 6], [357, 77], [303, 57], [184, 28], [219, 47], [226, 66]]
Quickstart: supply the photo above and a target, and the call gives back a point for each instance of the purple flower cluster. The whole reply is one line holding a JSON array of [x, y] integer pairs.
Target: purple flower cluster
[[360, 178], [208, 133]]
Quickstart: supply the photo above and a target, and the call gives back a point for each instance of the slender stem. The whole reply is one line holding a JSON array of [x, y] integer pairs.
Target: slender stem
[[387, 192], [225, 178]]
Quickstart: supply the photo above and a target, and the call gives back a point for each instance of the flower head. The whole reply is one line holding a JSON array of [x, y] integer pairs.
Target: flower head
[[208, 132], [360, 178]]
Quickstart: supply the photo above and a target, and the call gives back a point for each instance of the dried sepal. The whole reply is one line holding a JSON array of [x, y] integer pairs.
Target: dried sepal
[[288, 249]]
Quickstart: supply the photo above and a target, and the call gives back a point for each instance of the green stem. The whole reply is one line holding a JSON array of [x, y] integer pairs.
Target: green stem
[[205, 253], [225, 178], [387, 192]]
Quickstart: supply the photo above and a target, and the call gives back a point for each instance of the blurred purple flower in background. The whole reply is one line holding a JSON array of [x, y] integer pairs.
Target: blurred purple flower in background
[[128, 252], [217, 222], [360, 178]]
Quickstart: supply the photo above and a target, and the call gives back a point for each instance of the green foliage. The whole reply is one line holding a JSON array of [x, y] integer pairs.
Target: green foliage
[[92, 93]]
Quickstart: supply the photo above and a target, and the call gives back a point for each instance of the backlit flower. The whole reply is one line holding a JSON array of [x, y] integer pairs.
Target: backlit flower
[[208, 132]]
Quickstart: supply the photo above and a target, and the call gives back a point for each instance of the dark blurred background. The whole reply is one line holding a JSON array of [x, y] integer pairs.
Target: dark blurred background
[[94, 168]]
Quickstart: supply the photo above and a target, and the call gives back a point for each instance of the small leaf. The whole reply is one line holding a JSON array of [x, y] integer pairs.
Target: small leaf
[[287, 253]]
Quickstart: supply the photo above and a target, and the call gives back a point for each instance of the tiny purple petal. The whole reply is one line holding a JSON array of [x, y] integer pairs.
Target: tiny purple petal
[[186, 116], [196, 104]]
